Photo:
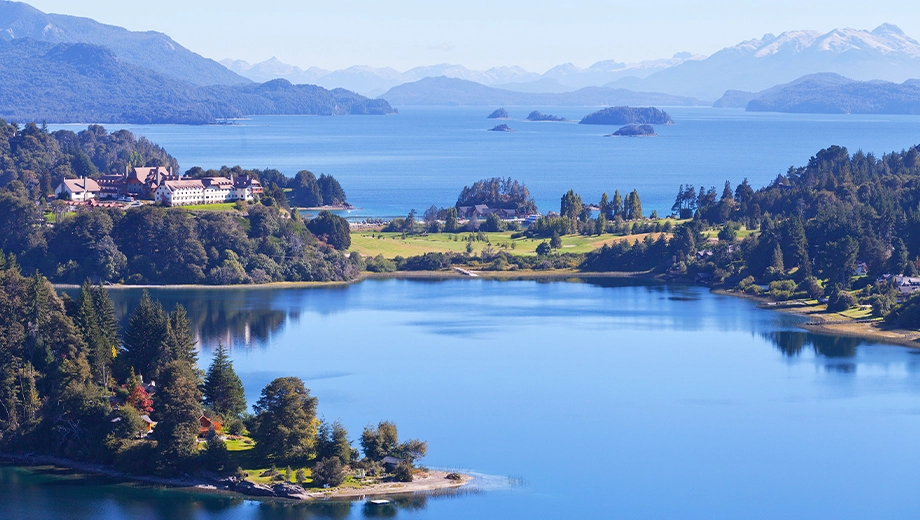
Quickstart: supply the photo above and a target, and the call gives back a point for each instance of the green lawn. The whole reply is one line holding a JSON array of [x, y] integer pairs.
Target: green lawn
[[369, 243], [223, 206], [739, 234]]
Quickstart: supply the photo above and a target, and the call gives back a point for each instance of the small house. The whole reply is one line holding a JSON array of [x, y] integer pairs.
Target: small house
[[80, 190], [148, 423], [391, 462], [206, 424]]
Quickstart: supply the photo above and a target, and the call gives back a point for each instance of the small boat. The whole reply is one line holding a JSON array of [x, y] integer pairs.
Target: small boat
[[378, 502]]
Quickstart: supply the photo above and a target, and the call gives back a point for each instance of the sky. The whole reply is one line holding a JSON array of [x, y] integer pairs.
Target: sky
[[478, 34]]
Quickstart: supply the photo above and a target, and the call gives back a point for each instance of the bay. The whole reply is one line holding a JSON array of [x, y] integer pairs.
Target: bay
[[425, 155], [579, 399]]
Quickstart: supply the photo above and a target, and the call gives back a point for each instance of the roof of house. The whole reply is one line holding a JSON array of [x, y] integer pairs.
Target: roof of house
[[81, 185], [389, 459]]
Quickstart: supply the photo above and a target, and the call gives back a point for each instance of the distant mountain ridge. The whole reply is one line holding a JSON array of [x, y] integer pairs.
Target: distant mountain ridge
[[831, 94], [82, 83], [374, 81], [152, 50], [444, 91], [885, 53]]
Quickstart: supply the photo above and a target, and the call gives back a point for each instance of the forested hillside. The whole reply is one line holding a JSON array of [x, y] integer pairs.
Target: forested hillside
[[68, 83], [261, 243], [150, 50]]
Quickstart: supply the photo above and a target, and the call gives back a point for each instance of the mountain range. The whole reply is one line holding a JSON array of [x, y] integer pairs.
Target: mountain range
[[79, 82], [444, 91], [829, 93], [885, 53], [152, 50], [373, 81]]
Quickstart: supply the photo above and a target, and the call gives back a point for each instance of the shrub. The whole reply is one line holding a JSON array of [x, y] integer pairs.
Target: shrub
[[216, 455], [782, 289], [329, 472], [403, 471], [840, 301]]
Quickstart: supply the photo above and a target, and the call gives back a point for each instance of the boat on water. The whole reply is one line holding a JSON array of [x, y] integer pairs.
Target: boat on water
[[379, 502]]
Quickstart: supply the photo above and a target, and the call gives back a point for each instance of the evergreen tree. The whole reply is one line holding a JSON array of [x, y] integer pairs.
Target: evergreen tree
[[306, 190], [571, 205], [105, 350], [331, 190], [145, 338], [604, 207], [180, 341], [223, 390], [616, 209], [899, 263], [285, 424], [178, 405], [451, 225]]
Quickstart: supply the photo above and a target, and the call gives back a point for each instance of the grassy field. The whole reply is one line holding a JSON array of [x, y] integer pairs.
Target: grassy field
[[740, 234], [223, 206], [390, 245]]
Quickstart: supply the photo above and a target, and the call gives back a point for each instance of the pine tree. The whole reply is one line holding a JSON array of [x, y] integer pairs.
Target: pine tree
[[604, 206], [617, 206], [180, 341], [178, 404], [145, 338], [108, 330], [223, 390]]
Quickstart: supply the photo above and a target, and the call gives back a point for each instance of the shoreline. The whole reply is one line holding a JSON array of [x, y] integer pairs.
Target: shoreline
[[428, 482], [831, 323], [406, 275]]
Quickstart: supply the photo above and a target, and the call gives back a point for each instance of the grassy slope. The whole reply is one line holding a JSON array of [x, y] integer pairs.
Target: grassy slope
[[393, 244]]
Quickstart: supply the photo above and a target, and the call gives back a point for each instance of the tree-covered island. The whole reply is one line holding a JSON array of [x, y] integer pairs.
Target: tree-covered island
[[75, 390]]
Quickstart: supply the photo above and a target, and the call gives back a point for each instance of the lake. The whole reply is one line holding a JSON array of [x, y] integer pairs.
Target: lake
[[425, 155], [577, 399]]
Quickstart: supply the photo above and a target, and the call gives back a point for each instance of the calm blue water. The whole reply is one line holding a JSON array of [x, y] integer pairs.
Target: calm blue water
[[575, 400], [425, 156]]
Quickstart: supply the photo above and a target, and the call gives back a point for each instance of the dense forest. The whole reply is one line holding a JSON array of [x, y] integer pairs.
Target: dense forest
[[258, 243], [40, 159], [73, 385]]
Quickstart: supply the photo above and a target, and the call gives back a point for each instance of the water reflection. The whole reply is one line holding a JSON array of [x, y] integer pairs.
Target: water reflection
[[791, 343]]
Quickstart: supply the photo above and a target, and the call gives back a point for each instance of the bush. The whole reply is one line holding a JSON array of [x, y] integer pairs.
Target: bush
[[329, 472], [810, 287], [840, 301], [782, 289], [216, 456], [403, 471]]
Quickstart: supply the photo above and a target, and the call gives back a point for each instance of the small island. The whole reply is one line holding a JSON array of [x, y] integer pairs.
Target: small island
[[628, 116], [538, 116], [499, 113], [634, 131], [501, 128]]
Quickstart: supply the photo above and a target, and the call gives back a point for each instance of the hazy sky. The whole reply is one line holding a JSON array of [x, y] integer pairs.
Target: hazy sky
[[476, 33]]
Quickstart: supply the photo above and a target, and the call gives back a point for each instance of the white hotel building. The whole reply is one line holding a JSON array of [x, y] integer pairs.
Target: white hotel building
[[207, 190]]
